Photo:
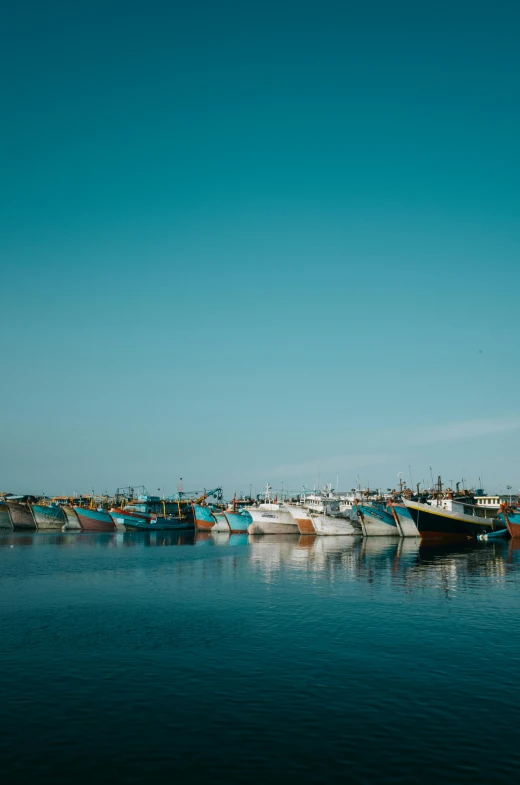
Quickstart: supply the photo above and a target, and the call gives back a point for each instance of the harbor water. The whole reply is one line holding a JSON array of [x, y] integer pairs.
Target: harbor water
[[166, 657]]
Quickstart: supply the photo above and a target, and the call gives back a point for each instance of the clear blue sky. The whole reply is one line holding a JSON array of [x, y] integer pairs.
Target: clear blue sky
[[251, 242]]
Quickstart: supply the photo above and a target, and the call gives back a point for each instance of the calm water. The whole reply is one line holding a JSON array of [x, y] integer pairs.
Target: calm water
[[150, 658]]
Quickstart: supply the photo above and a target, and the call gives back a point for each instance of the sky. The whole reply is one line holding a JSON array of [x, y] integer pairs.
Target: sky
[[259, 242]]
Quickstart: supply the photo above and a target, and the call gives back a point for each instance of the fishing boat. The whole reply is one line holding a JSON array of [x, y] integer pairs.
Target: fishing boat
[[403, 519], [159, 523], [498, 535], [511, 518], [5, 520], [302, 517], [180, 506], [71, 519], [271, 517], [450, 518], [323, 502], [123, 516], [332, 525], [377, 522], [147, 507], [347, 504], [238, 522], [48, 516], [95, 520], [20, 512], [221, 523], [203, 518]]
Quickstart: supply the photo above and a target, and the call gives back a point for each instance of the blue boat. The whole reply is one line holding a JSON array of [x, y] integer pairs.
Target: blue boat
[[377, 522], [405, 522], [158, 524], [121, 519], [95, 520], [149, 507], [502, 533], [48, 516], [238, 521], [511, 518], [203, 518]]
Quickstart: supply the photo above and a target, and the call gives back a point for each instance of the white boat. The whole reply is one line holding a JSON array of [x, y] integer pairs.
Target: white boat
[[330, 525], [221, 524], [322, 503], [72, 520], [302, 517], [376, 522], [271, 517], [404, 519]]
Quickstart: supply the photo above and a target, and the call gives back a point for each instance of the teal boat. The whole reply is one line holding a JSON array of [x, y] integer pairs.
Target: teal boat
[[238, 521], [158, 524], [48, 516]]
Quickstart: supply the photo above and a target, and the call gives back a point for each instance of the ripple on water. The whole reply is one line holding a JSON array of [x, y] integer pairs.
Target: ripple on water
[[133, 658]]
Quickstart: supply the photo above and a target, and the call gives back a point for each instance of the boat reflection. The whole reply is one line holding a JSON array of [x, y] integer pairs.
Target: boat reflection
[[411, 563]]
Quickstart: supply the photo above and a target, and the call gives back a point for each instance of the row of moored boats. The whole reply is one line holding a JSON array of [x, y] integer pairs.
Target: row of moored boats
[[435, 514]]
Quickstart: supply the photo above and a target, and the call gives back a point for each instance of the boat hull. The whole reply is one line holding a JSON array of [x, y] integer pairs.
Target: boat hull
[[302, 518], [221, 524], [71, 519], [203, 518], [120, 519], [5, 519], [48, 517], [156, 524], [404, 521], [329, 525], [21, 515], [376, 522], [272, 522], [434, 523], [512, 521], [238, 524], [95, 520]]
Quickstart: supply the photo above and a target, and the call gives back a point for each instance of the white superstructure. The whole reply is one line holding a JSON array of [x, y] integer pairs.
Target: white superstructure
[[271, 517]]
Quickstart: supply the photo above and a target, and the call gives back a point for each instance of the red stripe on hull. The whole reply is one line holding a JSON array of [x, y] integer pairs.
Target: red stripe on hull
[[305, 525], [203, 526], [142, 516], [93, 525], [513, 529]]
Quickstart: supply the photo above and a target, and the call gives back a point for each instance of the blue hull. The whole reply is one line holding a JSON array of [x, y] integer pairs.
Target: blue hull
[[120, 519], [406, 522], [493, 535], [48, 517], [157, 525], [375, 521], [238, 523], [95, 520], [204, 520]]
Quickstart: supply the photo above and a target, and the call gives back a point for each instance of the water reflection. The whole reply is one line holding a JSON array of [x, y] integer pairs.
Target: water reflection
[[410, 563]]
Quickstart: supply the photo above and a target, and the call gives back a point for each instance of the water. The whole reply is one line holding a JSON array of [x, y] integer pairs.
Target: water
[[129, 658]]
